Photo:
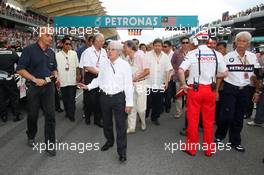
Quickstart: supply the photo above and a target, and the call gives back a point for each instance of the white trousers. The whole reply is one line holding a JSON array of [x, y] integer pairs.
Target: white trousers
[[140, 104]]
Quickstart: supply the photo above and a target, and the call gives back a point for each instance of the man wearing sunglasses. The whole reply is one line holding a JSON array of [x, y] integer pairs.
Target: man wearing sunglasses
[[176, 61], [68, 64]]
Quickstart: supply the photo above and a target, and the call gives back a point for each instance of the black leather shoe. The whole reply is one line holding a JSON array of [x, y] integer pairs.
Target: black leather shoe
[[4, 118], [72, 119], [59, 110], [17, 118], [106, 147], [87, 121], [156, 122], [31, 142], [99, 124], [51, 152], [167, 110], [122, 158], [239, 148], [183, 132]]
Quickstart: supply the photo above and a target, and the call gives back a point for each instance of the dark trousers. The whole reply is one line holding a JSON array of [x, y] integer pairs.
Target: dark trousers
[[168, 94], [155, 102], [218, 107], [92, 102], [36, 97], [68, 98], [259, 118], [57, 99], [9, 94], [251, 104], [115, 105], [234, 105]]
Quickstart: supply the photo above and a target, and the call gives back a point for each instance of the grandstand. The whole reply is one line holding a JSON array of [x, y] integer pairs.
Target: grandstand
[[17, 17], [251, 19]]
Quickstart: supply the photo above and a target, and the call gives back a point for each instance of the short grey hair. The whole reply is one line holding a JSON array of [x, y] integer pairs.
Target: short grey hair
[[244, 34], [117, 46]]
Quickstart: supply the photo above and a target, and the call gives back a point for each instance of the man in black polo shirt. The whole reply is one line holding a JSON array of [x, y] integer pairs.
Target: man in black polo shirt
[[38, 64]]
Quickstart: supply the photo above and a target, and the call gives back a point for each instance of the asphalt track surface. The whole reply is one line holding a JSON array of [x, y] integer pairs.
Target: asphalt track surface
[[146, 153]]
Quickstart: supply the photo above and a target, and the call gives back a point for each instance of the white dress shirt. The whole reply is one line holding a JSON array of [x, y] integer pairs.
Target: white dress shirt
[[67, 77], [159, 66], [237, 77], [208, 65], [114, 78], [92, 58]]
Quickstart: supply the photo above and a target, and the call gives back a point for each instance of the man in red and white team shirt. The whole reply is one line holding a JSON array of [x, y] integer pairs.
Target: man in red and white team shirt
[[204, 64]]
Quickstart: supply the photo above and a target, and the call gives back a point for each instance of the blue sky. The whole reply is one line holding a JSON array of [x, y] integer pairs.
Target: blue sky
[[207, 11]]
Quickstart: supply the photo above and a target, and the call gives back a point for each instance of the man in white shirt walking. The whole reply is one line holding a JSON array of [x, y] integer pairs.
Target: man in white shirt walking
[[157, 82], [140, 70], [116, 97]]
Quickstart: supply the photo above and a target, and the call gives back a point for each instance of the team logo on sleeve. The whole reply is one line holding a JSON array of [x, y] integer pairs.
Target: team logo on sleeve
[[231, 60]]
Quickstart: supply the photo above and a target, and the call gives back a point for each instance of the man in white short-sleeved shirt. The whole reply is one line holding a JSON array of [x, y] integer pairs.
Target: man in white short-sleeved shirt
[[90, 61], [204, 64], [236, 91]]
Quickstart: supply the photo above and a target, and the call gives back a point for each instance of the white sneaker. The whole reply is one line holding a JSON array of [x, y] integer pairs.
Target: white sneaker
[[252, 123], [130, 131]]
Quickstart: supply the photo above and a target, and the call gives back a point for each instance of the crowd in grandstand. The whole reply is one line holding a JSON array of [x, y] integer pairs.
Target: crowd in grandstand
[[256, 8], [14, 36], [7, 10]]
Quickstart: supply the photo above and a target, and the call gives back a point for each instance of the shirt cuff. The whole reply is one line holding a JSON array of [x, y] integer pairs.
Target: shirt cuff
[[129, 103], [90, 87]]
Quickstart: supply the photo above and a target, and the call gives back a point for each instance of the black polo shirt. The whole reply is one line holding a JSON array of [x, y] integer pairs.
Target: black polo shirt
[[8, 58], [37, 62]]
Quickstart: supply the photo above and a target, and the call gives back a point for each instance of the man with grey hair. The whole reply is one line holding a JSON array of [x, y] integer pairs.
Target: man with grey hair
[[236, 91], [140, 70], [90, 62], [116, 96]]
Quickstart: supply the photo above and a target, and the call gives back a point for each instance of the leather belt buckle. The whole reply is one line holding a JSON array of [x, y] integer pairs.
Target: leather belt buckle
[[241, 87]]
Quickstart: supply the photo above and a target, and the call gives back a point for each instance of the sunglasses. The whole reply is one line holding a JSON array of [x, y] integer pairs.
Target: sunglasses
[[165, 46], [67, 43], [185, 42]]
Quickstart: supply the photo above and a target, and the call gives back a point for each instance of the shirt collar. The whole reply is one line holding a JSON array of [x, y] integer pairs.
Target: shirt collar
[[203, 47], [246, 53], [65, 52], [116, 61], [95, 49]]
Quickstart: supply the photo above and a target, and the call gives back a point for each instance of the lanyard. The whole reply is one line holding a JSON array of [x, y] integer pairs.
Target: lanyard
[[98, 56], [245, 60], [66, 57], [112, 67]]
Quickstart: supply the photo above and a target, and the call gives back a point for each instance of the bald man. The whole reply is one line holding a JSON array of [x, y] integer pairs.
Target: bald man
[[38, 65]]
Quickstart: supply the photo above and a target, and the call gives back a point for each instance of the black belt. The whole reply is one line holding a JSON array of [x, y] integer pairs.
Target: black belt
[[237, 87], [110, 95]]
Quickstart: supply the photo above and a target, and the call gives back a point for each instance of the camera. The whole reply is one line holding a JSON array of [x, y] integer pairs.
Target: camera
[[195, 85]]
